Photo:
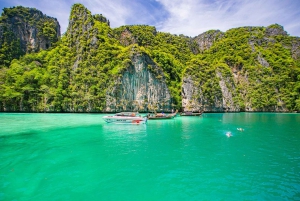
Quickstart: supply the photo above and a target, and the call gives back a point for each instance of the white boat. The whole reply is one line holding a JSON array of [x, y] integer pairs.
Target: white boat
[[126, 118]]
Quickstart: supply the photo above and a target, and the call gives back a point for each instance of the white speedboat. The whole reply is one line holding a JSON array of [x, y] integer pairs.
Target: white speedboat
[[125, 118]]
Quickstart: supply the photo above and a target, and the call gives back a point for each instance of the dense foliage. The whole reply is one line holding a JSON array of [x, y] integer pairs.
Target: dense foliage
[[260, 68], [264, 75], [72, 76]]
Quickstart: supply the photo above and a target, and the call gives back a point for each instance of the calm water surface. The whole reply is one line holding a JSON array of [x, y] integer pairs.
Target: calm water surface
[[80, 157]]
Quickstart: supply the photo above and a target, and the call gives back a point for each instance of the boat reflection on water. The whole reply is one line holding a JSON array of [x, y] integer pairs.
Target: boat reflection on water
[[125, 131], [125, 118]]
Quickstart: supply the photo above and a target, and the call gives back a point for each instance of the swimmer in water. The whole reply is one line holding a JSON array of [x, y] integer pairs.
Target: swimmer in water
[[228, 134], [240, 129]]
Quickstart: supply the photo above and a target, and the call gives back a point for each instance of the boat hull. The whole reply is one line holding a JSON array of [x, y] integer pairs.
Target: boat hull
[[125, 120], [190, 114], [161, 117]]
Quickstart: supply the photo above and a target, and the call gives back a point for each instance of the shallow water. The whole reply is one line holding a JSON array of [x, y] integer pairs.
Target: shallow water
[[80, 157]]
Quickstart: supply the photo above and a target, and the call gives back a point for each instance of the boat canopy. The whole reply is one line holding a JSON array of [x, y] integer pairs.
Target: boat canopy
[[131, 114]]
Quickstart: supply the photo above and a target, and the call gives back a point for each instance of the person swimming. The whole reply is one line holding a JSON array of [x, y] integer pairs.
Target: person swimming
[[228, 134], [240, 129]]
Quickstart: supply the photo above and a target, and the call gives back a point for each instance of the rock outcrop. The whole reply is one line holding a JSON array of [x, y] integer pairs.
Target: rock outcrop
[[228, 88], [24, 30], [127, 38], [295, 49], [193, 98], [207, 39], [35, 30], [275, 30], [262, 61], [101, 18]]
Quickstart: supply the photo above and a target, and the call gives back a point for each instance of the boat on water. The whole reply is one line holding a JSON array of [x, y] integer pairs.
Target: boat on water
[[158, 116], [125, 118], [187, 113]]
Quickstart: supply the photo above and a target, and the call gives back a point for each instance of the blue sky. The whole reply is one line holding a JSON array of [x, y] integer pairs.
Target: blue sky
[[189, 17]]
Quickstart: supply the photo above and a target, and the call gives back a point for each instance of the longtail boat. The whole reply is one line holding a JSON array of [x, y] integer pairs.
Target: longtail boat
[[158, 116], [191, 113]]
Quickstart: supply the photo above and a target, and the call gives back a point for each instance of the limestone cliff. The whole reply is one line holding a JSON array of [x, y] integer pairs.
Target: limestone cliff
[[141, 87], [234, 76], [24, 30], [194, 98]]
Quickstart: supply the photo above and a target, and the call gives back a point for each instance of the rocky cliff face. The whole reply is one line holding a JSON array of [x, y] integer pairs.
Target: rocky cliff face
[[139, 88], [189, 93], [228, 91], [25, 30], [101, 18], [275, 30], [80, 23], [127, 38], [80, 30], [295, 48], [193, 98], [207, 39], [250, 77]]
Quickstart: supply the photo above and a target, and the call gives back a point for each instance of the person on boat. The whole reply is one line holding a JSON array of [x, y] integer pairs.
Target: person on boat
[[160, 114]]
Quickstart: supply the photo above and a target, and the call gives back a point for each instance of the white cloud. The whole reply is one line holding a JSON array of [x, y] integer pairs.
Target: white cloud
[[193, 17], [189, 17]]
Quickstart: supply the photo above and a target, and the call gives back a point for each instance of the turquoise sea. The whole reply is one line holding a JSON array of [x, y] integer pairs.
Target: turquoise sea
[[80, 157]]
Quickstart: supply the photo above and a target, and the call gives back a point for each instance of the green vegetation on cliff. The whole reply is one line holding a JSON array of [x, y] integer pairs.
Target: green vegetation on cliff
[[72, 76], [19, 25], [259, 62], [245, 69], [75, 75]]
